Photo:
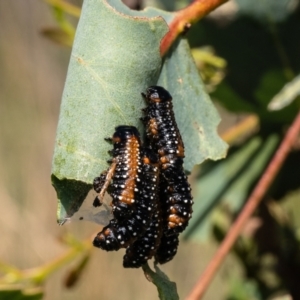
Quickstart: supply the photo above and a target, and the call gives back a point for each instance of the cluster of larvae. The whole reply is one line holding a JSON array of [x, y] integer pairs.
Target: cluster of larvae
[[151, 197]]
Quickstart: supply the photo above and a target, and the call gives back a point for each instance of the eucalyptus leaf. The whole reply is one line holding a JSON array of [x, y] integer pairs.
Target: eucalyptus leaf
[[115, 57]]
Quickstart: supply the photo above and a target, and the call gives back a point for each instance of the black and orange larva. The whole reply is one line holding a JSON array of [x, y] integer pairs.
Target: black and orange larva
[[146, 245], [167, 248], [125, 172], [168, 243], [161, 128], [118, 235], [176, 201], [163, 135], [121, 232]]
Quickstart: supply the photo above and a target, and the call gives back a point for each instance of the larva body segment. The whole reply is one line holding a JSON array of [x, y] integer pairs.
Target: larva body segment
[[124, 172], [127, 176], [146, 245], [167, 248]]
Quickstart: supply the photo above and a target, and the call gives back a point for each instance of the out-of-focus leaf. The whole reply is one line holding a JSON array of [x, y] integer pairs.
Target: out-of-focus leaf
[[59, 36], [283, 296], [9, 293], [266, 10], [166, 289], [63, 21], [65, 7], [255, 73], [243, 290], [64, 34], [228, 181], [74, 274], [268, 86], [114, 58], [211, 67], [290, 204], [206, 55], [287, 95]]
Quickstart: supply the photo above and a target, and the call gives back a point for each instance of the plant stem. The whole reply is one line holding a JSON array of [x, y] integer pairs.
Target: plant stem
[[185, 17], [40, 274], [250, 206]]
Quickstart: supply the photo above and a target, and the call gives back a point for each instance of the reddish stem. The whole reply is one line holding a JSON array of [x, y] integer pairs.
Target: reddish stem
[[184, 18], [252, 203]]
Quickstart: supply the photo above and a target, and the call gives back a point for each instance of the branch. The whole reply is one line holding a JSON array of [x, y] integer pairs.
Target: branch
[[247, 211], [184, 18], [39, 274]]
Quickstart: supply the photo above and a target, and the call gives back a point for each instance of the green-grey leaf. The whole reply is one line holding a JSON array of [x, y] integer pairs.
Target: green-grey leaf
[[166, 289], [114, 58]]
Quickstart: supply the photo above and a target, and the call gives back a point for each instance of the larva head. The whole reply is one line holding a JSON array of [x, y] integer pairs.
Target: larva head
[[124, 132], [157, 94]]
